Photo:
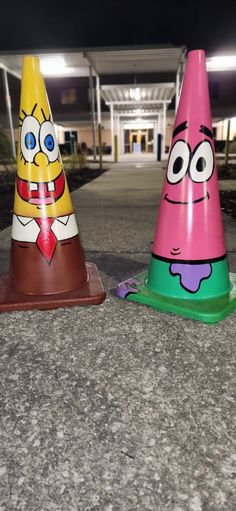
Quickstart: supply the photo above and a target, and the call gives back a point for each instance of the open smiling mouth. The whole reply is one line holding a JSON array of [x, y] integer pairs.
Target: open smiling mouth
[[207, 196], [41, 193]]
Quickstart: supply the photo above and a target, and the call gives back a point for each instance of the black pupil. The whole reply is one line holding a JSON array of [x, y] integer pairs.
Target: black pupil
[[201, 164], [178, 164]]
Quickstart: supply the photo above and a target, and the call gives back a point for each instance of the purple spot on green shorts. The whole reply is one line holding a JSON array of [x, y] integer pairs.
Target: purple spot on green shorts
[[191, 275]]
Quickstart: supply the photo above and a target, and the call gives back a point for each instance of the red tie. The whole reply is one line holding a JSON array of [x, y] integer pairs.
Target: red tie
[[46, 239]]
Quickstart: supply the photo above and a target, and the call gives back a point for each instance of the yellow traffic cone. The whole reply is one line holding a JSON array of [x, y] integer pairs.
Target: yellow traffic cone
[[47, 267]]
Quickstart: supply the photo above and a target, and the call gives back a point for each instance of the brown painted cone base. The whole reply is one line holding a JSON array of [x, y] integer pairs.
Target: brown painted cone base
[[31, 274], [91, 293]]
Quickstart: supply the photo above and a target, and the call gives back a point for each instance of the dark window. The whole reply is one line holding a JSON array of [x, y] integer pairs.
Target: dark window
[[214, 88], [68, 97]]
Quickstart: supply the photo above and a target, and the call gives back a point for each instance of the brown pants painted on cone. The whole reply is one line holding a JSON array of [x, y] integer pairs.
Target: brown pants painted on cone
[[30, 272]]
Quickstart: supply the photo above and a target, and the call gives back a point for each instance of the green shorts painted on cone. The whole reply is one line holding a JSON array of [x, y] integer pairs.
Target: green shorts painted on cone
[[159, 288], [162, 281]]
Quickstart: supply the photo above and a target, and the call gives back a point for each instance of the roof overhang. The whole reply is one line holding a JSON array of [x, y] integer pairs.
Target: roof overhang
[[138, 99], [104, 61], [75, 63], [131, 60]]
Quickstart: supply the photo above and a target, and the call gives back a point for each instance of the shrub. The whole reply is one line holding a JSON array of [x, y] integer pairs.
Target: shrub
[[5, 150]]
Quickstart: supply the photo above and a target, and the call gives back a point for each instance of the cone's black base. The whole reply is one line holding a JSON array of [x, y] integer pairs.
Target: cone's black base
[[92, 293]]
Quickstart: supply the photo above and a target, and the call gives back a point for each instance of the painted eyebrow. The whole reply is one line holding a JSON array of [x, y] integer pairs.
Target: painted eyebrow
[[206, 131], [181, 127]]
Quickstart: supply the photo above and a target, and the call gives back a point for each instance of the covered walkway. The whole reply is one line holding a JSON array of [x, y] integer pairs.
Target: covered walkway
[[138, 110], [117, 407]]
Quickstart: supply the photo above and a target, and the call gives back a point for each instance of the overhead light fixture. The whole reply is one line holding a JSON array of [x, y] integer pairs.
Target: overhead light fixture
[[135, 94], [54, 66], [221, 63]]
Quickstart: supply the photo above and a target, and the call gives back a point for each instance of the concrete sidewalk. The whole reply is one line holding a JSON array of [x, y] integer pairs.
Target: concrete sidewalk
[[117, 407]]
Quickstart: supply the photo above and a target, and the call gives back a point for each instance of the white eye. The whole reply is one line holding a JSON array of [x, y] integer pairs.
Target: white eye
[[48, 141], [178, 162], [29, 138], [202, 164]]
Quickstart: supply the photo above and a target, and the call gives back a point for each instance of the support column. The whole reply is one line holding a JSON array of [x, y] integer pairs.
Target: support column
[[227, 143], [122, 137], [112, 131], [159, 123], [155, 136], [179, 79], [115, 148], [99, 120], [163, 130], [116, 140], [159, 138], [177, 89], [119, 137], [93, 111], [9, 113]]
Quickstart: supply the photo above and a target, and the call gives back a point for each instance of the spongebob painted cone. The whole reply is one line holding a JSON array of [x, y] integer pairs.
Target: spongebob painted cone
[[47, 266], [188, 272]]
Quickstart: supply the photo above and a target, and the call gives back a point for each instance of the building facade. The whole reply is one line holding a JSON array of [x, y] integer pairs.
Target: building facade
[[130, 94]]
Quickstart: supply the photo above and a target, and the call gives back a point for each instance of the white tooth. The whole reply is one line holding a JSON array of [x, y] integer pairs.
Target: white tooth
[[33, 186], [51, 186]]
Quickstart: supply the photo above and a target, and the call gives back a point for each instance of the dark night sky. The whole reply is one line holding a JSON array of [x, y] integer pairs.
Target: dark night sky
[[38, 25]]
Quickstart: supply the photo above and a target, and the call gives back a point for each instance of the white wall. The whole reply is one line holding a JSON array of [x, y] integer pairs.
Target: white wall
[[221, 129]]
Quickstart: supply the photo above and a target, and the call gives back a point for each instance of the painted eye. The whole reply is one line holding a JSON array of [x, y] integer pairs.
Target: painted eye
[[178, 162], [29, 138], [202, 164], [30, 141], [48, 141]]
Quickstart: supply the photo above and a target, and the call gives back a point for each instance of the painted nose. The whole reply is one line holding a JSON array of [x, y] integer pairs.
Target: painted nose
[[41, 159]]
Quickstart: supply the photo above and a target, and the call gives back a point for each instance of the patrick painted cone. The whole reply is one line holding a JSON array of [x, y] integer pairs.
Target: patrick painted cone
[[188, 272]]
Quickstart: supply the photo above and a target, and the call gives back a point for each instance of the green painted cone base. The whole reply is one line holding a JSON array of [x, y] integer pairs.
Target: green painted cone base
[[207, 310], [162, 282]]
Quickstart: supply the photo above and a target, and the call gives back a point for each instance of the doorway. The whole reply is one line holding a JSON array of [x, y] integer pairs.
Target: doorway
[[138, 141]]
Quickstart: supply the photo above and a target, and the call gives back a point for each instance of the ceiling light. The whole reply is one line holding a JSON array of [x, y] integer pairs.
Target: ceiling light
[[221, 63], [135, 94], [53, 66]]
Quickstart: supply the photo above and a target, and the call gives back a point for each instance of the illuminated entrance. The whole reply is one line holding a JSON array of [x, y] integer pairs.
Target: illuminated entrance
[[138, 141], [138, 117], [138, 137]]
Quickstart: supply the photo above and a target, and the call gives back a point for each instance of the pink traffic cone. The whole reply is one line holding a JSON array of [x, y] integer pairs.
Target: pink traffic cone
[[190, 210], [188, 272]]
